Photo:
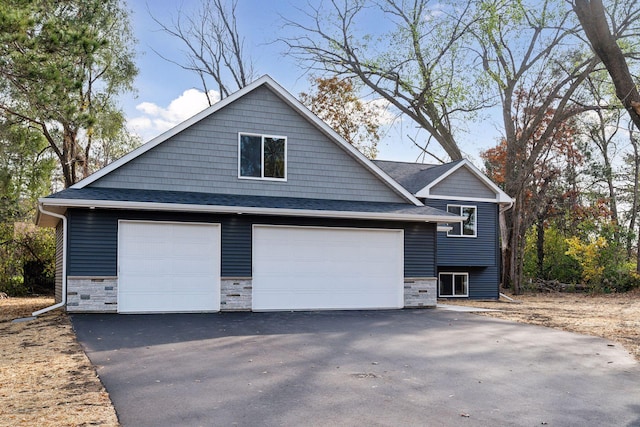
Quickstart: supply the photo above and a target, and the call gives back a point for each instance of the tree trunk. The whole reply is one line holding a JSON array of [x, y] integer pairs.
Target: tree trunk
[[634, 200], [540, 248], [594, 23]]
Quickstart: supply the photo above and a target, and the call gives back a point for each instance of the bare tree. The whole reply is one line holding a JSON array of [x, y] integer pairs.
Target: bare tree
[[593, 19], [523, 49], [415, 60], [214, 48]]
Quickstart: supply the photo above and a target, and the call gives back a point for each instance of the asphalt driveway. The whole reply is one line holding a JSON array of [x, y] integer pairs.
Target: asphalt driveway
[[358, 368]]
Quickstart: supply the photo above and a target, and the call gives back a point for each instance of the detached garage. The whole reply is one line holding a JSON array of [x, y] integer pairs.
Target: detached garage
[[308, 268], [168, 267]]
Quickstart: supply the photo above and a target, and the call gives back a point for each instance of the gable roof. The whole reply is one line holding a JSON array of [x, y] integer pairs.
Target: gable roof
[[414, 176], [288, 99], [420, 178], [180, 201]]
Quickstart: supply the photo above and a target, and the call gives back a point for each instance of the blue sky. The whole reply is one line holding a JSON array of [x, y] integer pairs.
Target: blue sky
[[166, 94]]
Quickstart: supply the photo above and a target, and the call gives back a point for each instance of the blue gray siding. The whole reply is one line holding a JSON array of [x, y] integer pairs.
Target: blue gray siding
[[462, 183], [483, 281], [93, 239], [479, 256], [479, 251], [204, 158]]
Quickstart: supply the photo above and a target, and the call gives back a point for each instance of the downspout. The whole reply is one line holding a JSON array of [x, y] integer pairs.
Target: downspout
[[64, 262]]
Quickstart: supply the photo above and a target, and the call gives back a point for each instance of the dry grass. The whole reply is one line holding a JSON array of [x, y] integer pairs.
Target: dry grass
[[45, 377], [615, 316]]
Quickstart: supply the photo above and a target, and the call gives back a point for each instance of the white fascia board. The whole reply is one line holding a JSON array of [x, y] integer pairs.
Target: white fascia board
[[282, 94], [463, 199], [501, 196], [180, 207]]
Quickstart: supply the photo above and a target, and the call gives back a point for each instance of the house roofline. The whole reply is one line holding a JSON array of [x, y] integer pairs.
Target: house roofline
[[501, 196], [63, 204], [286, 97]]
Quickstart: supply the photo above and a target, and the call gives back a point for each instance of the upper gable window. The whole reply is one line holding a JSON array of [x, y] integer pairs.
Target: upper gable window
[[262, 156], [468, 226]]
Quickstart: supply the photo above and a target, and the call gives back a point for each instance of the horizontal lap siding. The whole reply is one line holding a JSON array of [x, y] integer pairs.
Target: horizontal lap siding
[[93, 238], [470, 251], [92, 244], [483, 281]]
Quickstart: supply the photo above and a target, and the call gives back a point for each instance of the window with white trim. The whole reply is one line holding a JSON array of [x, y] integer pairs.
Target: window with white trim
[[468, 226], [262, 157], [453, 284]]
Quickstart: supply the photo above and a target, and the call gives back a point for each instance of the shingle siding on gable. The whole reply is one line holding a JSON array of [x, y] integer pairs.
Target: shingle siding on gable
[[462, 183], [204, 158]]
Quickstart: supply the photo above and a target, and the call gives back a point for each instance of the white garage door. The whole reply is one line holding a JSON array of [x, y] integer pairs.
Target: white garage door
[[305, 268], [168, 267]]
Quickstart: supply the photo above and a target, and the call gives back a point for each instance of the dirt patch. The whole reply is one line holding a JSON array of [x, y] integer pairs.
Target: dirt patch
[[614, 316], [45, 377]]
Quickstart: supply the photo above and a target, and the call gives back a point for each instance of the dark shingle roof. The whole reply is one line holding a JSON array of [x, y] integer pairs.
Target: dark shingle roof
[[414, 176], [242, 201]]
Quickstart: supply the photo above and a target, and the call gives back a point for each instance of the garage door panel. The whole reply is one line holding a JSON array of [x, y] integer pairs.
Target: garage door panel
[[327, 268], [168, 267]]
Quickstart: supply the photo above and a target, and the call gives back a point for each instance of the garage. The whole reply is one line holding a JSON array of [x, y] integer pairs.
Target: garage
[[168, 267], [309, 268]]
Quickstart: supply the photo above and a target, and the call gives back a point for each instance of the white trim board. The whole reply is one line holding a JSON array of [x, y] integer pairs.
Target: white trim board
[[501, 196], [180, 207]]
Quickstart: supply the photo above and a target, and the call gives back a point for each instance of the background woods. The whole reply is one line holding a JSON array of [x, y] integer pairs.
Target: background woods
[[557, 79]]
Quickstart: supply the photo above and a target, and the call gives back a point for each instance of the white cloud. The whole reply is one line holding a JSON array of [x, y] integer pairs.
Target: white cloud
[[155, 119], [434, 12]]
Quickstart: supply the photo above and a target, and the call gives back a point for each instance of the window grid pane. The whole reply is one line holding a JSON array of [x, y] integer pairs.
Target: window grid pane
[[274, 162], [446, 284], [468, 225], [460, 284], [453, 284], [250, 156]]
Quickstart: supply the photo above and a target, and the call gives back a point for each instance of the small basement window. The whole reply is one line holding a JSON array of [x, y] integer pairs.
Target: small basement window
[[467, 228], [453, 284], [262, 157]]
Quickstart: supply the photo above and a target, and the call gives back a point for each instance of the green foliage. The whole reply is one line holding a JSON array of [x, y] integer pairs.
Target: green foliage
[[62, 65], [557, 264], [605, 267], [25, 175], [21, 243]]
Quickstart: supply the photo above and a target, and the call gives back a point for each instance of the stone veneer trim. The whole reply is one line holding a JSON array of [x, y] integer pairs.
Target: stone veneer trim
[[98, 294], [236, 293], [420, 292]]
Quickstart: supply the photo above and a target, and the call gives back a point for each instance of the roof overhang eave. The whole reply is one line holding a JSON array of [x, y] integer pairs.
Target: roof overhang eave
[[61, 205]]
